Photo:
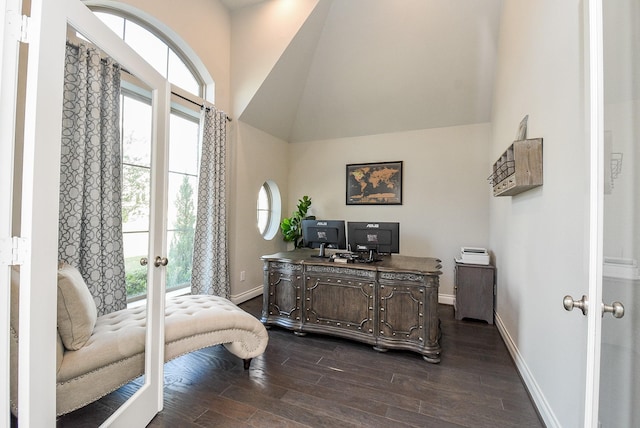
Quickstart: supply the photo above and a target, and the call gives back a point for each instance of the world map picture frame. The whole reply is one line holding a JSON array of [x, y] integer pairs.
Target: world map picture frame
[[374, 183]]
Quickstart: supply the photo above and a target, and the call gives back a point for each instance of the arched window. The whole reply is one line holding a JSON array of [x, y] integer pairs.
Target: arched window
[[188, 91], [268, 212], [154, 50]]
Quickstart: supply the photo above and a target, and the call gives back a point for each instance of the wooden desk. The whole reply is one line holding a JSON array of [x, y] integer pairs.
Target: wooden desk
[[391, 304]]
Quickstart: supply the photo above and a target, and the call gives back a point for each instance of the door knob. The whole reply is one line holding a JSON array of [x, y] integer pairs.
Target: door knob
[[616, 309], [144, 261], [161, 261], [582, 304]]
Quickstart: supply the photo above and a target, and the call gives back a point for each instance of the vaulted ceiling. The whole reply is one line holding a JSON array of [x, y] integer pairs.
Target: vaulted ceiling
[[364, 67]]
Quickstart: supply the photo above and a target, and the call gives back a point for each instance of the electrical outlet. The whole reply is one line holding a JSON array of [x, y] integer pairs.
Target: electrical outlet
[[243, 275]]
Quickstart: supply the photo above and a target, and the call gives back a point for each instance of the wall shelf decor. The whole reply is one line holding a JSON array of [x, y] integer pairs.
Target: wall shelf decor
[[518, 169]]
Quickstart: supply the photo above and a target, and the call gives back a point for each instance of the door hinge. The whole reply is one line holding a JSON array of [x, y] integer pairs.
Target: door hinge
[[13, 251], [19, 26]]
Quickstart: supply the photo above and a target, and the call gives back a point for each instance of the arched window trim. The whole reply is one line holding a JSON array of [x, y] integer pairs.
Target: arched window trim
[[168, 36]]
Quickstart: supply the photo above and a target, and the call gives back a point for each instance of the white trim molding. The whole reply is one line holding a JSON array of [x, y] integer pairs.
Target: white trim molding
[[247, 295], [540, 401], [447, 299]]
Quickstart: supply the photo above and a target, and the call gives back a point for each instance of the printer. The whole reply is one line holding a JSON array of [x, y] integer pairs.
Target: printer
[[473, 256]]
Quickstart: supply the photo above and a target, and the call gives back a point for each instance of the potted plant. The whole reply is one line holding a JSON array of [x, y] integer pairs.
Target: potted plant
[[291, 227]]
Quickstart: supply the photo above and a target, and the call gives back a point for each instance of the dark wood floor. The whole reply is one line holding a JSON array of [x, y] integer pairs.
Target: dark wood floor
[[319, 381]]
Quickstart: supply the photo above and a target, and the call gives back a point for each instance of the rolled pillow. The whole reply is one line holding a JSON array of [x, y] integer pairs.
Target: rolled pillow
[[77, 313]]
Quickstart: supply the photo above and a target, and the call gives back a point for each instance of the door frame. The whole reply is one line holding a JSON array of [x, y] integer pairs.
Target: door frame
[[9, 51]]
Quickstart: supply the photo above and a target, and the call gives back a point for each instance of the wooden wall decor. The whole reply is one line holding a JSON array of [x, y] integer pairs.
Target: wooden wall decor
[[518, 169]]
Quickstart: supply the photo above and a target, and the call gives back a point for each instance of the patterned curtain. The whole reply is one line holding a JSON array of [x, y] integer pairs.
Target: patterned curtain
[[90, 229], [210, 274]]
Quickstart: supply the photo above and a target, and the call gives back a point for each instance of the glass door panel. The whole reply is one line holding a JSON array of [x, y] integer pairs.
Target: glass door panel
[[620, 351], [183, 191], [136, 191], [135, 132], [143, 141]]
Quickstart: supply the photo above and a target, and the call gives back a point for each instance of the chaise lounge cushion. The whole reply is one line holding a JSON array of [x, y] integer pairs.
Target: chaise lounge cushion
[[114, 355], [77, 313]]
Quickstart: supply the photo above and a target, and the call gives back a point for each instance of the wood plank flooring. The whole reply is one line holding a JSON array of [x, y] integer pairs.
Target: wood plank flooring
[[320, 381]]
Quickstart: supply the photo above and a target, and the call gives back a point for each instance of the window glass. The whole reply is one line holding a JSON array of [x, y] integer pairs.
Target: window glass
[[183, 147], [152, 49], [268, 209], [114, 22], [264, 208], [136, 131], [135, 245], [136, 190], [183, 190], [180, 75]]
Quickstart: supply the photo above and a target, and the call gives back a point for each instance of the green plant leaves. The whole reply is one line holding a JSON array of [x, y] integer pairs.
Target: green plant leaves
[[291, 227]]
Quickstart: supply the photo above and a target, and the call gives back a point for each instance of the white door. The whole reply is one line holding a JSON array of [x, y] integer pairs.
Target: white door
[[613, 363], [47, 34]]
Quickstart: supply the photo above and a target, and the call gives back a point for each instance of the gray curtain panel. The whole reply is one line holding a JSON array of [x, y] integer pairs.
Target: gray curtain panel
[[90, 229], [210, 273]]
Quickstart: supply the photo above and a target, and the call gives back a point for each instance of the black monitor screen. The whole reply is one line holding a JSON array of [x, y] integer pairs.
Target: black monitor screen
[[383, 238], [331, 233]]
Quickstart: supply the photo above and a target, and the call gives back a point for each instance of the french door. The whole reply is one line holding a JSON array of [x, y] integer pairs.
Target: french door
[[613, 301], [47, 30]]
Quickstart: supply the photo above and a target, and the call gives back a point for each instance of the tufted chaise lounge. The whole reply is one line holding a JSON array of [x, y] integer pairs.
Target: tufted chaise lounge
[[113, 352]]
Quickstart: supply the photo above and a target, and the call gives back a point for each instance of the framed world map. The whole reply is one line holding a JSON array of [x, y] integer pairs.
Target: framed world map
[[378, 183]]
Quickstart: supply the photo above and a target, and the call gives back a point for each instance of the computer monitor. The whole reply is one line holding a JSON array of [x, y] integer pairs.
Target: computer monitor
[[324, 234], [374, 238]]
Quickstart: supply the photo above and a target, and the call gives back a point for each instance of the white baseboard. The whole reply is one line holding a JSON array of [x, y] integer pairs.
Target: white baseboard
[[247, 295], [446, 299], [541, 403]]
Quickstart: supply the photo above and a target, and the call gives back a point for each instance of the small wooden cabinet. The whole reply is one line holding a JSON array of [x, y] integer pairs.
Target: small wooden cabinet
[[475, 291], [391, 304]]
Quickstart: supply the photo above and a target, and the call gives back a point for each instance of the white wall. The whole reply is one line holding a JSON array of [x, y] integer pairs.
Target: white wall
[[445, 191], [260, 34], [540, 237], [255, 158]]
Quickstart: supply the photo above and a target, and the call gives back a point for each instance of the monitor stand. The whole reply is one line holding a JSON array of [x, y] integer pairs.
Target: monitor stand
[[372, 257], [321, 253]]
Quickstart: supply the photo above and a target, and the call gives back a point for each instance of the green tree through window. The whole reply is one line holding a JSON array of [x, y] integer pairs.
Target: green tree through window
[[181, 250], [136, 188]]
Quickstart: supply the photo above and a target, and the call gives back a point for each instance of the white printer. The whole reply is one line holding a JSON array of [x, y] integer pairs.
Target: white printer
[[473, 256]]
